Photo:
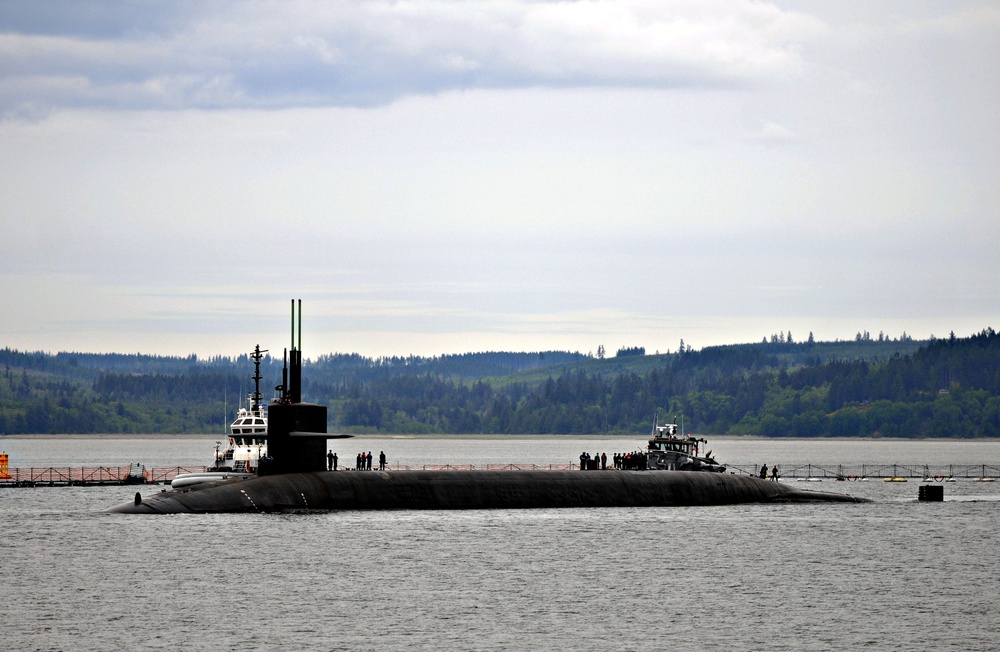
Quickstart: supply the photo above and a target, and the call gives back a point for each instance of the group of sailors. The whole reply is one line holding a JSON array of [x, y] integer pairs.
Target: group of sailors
[[634, 461], [593, 463], [363, 462], [774, 472]]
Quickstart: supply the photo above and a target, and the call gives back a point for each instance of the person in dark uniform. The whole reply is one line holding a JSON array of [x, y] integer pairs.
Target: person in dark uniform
[[763, 472], [368, 462], [334, 461], [329, 460], [381, 460], [774, 473]]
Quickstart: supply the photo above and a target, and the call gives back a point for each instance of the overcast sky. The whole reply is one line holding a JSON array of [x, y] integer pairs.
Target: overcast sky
[[444, 177]]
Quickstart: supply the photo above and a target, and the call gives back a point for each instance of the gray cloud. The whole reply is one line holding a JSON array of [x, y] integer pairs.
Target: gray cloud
[[97, 19], [256, 54]]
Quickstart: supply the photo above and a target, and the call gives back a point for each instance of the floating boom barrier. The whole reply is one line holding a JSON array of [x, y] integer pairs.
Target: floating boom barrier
[[90, 476], [888, 472]]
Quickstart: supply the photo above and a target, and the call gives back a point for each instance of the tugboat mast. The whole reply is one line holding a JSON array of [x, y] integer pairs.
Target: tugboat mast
[[255, 398]]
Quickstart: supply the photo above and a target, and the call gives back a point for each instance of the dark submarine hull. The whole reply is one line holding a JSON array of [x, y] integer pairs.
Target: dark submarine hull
[[383, 490]]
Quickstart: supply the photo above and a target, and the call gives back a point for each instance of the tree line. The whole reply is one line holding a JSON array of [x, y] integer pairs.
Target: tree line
[[950, 388], [869, 387]]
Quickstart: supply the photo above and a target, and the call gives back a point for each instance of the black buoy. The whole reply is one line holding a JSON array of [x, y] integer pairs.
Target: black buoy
[[930, 493], [138, 498]]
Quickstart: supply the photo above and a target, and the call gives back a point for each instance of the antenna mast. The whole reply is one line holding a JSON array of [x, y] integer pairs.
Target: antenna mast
[[255, 398]]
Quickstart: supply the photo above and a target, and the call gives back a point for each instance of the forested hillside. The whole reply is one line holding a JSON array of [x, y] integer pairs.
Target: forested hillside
[[133, 393], [777, 388]]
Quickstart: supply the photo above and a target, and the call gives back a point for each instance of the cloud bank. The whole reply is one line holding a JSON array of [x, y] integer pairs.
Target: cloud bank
[[342, 53]]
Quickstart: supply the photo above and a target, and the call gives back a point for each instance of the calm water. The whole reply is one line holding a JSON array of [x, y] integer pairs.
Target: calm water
[[789, 577]]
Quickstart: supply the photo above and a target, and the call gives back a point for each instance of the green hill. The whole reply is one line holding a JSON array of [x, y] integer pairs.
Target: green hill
[[776, 388]]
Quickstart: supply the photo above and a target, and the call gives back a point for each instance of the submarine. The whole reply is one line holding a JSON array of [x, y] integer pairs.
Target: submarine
[[294, 478], [388, 490]]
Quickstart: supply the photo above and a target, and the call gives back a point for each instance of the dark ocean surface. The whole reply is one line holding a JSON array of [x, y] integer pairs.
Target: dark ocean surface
[[895, 573]]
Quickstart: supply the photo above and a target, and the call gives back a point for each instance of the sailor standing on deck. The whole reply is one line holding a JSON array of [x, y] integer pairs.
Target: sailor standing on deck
[[329, 460]]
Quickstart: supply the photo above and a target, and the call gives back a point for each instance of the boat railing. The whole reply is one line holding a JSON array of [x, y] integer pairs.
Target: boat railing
[[857, 471], [484, 467], [532, 467]]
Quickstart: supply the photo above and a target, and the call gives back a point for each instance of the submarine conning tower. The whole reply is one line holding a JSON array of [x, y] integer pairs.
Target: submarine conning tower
[[296, 431]]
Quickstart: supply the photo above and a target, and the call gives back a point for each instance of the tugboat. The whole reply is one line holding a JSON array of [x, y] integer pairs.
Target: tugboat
[[248, 432], [668, 452], [247, 440]]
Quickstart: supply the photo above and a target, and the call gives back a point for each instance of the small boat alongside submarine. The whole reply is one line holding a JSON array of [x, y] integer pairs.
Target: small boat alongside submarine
[[668, 452], [293, 477], [247, 440]]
